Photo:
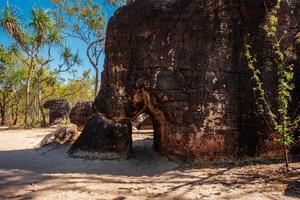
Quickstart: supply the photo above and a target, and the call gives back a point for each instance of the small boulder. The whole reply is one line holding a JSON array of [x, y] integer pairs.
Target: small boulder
[[103, 138], [63, 135], [80, 112]]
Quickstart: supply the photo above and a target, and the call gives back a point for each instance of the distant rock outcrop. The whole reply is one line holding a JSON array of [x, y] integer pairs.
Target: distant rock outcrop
[[58, 110], [80, 113]]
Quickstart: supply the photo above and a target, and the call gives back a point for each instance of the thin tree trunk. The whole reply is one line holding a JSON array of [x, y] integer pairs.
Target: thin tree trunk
[[42, 111], [28, 92], [3, 110], [3, 115], [27, 102], [286, 157], [16, 114], [36, 109], [92, 47], [96, 81], [12, 113], [40, 105]]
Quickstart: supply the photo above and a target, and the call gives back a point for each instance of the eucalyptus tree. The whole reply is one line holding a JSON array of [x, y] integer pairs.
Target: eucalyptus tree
[[84, 20]]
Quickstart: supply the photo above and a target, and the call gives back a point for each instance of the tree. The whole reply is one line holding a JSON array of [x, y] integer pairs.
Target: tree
[[30, 40], [281, 121], [40, 35], [74, 89], [12, 82], [85, 20]]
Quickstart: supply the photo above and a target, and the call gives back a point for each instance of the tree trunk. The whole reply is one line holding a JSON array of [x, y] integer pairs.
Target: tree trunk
[[91, 53], [96, 81], [286, 157], [12, 113], [16, 114], [3, 110], [40, 105], [42, 111], [3, 115], [28, 92]]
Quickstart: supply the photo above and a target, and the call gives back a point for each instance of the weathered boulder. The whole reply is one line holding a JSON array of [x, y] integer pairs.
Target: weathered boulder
[[80, 113], [58, 110], [63, 135], [182, 62], [104, 138]]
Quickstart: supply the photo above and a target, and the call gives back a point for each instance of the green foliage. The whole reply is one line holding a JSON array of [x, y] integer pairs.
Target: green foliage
[[14, 73], [34, 124], [73, 90], [83, 16], [11, 23], [46, 81], [12, 81], [84, 20], [66, 122], [298, 38], [278, 120], [41, 34]]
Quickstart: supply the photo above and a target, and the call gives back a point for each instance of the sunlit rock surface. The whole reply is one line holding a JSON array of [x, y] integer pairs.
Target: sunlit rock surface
[[80, 113], [182, 63]]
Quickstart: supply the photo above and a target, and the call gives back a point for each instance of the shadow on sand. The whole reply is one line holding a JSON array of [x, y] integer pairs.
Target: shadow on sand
[[48, 167], [54, 159]]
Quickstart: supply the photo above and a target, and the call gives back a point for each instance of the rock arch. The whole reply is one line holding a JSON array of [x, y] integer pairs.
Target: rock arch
[[182, 62]]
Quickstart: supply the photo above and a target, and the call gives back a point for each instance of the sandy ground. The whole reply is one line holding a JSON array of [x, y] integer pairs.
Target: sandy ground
[[51, 174]]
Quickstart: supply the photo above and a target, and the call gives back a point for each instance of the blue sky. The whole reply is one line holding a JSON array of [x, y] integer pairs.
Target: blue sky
[[23, 8]]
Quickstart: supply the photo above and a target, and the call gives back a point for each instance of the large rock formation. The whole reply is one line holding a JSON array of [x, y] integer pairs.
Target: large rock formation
[[80, 113], [58, 110], [182, 62]]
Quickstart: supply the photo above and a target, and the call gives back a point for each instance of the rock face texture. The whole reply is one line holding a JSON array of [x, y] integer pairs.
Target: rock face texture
[[58, 110], [143, 122], [104, 138], [182, 63], [80, 112]]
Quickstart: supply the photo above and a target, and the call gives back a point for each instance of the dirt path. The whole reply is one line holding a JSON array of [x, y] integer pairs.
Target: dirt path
[[51, 174]]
